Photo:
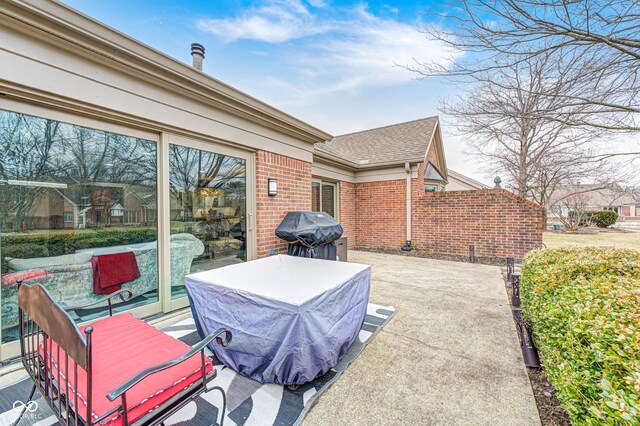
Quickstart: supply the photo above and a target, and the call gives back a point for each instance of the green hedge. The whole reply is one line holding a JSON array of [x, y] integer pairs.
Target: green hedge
[[599, 218], [583, 306], [57, 243], [24, 251]]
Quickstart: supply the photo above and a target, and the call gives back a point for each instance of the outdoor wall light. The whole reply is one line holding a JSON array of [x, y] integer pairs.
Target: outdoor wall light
[[272, 187]]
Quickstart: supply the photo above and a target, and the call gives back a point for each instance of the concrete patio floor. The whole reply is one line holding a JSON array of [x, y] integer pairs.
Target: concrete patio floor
[[450, 356]]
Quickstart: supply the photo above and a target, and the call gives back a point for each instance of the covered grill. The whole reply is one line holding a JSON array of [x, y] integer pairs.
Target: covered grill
[[310, 234]]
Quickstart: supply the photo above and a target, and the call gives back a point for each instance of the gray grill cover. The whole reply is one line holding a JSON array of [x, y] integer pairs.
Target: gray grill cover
[[310, 234]]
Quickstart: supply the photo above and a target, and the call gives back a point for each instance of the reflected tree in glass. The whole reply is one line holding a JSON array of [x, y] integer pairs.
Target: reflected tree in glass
[[69, 194], [208, 200], [26, 150]]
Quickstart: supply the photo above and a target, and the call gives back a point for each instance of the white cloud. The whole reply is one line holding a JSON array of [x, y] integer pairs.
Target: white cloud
[[391, 9], [367, 49], [276, 21], [339, 50]]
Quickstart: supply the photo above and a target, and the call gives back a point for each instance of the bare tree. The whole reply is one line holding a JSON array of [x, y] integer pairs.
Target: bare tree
[[597, 41], [94, 161], [570, 209], [26, 145], [508, 120], [194, 173]]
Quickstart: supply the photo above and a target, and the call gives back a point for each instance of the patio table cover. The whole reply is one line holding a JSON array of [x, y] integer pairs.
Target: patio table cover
[[292, 318]]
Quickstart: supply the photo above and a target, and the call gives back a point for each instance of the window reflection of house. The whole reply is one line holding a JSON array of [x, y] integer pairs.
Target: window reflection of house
[[117, 210], [131, 205]]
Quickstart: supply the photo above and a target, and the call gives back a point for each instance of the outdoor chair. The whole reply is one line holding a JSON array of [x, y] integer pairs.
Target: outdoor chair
[[118, 370]]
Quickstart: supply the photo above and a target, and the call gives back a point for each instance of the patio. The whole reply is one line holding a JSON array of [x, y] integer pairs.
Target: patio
[[449, 356]]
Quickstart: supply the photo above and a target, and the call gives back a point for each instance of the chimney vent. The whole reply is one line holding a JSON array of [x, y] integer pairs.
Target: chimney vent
[[197, 54]]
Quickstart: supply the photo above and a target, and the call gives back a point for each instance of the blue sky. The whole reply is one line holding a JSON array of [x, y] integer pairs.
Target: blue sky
[[329, 63]]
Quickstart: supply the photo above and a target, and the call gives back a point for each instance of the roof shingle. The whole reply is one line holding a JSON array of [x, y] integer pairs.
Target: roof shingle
[[397, 142]]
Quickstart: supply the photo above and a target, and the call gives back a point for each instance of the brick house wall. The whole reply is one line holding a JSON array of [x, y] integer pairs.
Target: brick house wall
[[347, 206], [381, 211], [294, 194], [497, 222], [373, 214]]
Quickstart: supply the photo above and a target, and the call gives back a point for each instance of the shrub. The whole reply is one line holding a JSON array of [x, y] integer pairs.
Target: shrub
[[25, 251], [583, 306], [57, 243], [599, 218], [22, 251]]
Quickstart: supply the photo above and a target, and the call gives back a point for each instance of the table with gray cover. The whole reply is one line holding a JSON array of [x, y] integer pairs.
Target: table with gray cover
[[292, 318]]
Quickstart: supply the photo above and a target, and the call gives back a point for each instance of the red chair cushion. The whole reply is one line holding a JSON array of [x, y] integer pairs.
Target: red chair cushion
[[122, 346], [29, 274]]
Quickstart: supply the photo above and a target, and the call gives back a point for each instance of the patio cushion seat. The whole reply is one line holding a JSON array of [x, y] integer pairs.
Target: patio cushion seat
[[122, 346], [26, 275]]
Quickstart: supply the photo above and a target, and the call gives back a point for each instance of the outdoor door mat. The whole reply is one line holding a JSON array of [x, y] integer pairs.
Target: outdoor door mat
[[248, 402]]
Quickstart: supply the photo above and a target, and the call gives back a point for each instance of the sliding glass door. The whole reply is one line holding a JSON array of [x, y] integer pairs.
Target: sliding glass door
[[71, 197], [209, 216]]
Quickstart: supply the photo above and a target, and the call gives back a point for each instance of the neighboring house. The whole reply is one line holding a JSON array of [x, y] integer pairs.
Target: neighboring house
[[597, 197], [460, 182], [105, 206]]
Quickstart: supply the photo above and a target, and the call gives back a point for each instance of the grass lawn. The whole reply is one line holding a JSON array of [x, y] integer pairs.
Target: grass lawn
[[627, 239]]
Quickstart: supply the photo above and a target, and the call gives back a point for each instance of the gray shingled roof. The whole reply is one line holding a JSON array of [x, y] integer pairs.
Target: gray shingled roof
[[398, 142]]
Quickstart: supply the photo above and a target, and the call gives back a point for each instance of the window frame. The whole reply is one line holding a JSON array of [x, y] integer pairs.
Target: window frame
[[164, 213], [336, 192]]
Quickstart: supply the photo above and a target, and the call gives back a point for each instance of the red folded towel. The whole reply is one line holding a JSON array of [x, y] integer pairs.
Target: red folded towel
[[112, 270]]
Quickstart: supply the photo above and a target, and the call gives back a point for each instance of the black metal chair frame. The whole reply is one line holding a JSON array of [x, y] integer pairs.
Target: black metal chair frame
[[43, 321]]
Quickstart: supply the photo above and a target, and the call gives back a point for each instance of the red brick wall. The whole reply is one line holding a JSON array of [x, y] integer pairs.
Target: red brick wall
[[294, 194], [347, 200], [381, 211], [497, 222]]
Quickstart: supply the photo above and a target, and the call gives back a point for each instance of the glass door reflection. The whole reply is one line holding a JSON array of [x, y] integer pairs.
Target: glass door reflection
[[208, 209], [72, 197]]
